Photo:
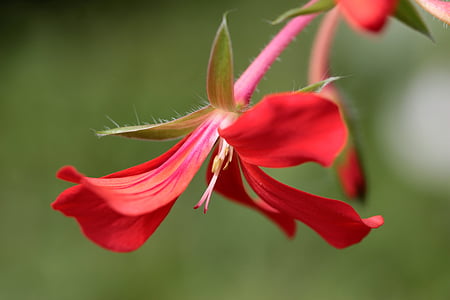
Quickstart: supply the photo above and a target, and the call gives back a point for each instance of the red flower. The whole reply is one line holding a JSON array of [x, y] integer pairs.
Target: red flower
[[368, 15], [122, 210]]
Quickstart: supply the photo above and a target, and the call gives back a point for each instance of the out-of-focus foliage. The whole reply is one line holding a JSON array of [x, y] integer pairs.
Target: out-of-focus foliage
[[65, 66]]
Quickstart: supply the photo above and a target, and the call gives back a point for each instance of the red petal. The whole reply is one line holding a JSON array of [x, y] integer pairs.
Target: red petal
[[103, 225], [369, 15], [230, 185], [337, 222], [98, 204], [288, 129], [70, 174], [351, 175], [98, 221], [139, 193]]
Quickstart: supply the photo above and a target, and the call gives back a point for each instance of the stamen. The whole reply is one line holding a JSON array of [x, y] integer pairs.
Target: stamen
[[217, 163], [224, 150], [230, 158], [207, 194]]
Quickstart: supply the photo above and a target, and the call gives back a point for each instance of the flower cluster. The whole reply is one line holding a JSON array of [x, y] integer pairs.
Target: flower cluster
[[120, 211]]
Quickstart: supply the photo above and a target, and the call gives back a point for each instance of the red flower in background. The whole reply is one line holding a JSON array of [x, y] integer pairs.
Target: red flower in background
[[121, 211], [368, 15]]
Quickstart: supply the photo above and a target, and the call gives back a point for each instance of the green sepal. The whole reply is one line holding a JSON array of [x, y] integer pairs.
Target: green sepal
[[408, 15], [219, 82], [319, 6], [165, 131], [318, 86]]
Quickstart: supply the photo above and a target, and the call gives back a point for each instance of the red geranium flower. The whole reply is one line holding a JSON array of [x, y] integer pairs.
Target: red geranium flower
[[121, 211]]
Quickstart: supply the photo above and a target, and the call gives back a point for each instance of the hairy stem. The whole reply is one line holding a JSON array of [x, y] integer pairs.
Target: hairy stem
[[246, 84]]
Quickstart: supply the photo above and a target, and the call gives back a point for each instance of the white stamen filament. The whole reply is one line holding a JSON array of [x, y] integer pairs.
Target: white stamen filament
[[224, 150], [207, 194]]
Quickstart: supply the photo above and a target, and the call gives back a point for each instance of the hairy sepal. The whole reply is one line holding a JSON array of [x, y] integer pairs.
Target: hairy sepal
[[318, 86], [165, 131], [317, 7]]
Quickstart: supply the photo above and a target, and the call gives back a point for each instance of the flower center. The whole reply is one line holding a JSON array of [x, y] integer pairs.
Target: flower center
[[220, 162]]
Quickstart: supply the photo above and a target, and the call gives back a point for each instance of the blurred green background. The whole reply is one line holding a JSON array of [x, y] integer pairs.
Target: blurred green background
[[66, 66]]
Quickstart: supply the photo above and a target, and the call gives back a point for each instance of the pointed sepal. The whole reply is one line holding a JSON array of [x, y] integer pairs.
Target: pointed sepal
[[408, 15], [317, 7], [220, 79], [318, 86], [165, 131]]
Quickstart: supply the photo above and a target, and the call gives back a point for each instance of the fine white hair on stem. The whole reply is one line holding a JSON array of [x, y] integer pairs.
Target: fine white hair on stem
[[136, 115], [112, 121]]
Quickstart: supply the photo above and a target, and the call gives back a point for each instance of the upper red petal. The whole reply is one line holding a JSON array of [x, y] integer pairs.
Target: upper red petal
[[103, 225], [230, 185], [288, 129], [337, 222], [155, 184], [368, 15], [70, 174]]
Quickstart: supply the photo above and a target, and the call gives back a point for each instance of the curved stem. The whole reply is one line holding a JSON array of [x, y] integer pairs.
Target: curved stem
[[319, 63], [246, 84], [348, 167]]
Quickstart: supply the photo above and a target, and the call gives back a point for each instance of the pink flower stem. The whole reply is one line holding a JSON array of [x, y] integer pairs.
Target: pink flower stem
[[438, 8], [246, 84]]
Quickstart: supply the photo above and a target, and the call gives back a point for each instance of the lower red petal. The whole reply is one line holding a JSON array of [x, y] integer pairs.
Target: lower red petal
[[230, 185], [96, 202], [103, 225], [337, 222], [368, 15], [145, 188]]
